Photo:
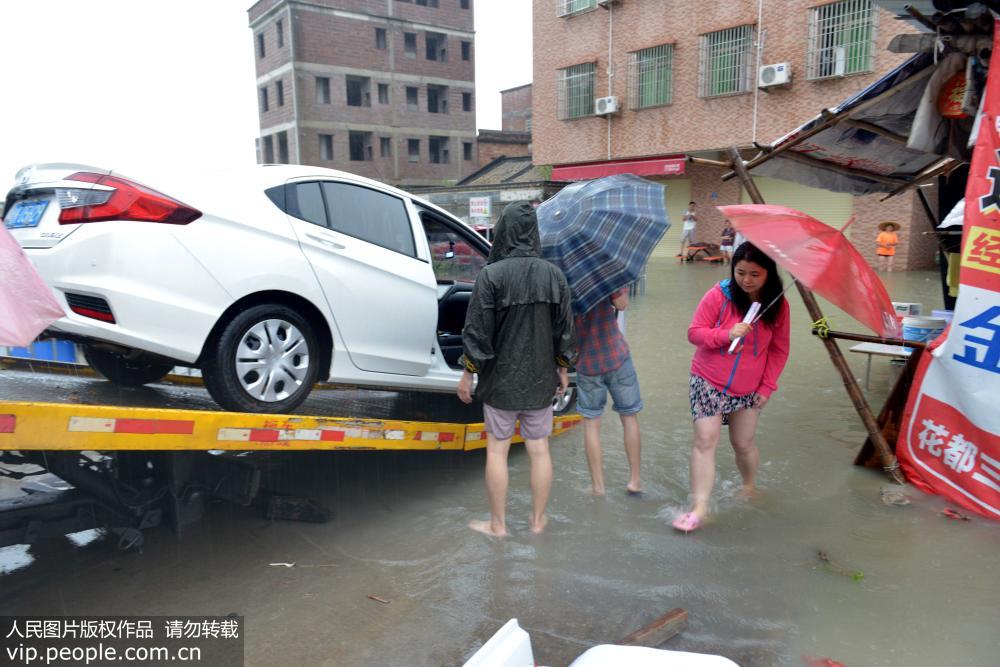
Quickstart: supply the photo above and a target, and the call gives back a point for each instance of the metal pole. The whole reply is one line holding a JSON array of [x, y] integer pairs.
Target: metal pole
[[889, 463]]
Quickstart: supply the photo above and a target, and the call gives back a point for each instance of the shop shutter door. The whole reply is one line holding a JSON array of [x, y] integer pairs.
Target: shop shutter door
[[833, 208], [678, 196]]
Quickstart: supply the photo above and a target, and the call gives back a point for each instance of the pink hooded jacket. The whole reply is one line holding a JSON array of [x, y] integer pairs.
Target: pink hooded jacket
[[756, 365]]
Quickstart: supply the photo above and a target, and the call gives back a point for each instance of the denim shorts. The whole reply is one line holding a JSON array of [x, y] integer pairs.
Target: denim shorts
[[623, 383]]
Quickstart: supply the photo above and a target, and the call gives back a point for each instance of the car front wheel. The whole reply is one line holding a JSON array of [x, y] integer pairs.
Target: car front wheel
[[124, 371], [565, 404], [264, 360]]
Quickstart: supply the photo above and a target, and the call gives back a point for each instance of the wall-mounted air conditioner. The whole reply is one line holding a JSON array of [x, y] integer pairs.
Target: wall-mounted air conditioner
[[606, 105], [778, 74]]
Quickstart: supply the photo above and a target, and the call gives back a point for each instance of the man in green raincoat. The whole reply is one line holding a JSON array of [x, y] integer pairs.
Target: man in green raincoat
[[518, 338]]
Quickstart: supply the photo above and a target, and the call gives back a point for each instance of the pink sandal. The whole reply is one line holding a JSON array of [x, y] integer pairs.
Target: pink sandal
[[687, 522]]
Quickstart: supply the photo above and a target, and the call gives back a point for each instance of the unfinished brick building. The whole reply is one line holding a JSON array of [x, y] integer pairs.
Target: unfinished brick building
[[380, 88]]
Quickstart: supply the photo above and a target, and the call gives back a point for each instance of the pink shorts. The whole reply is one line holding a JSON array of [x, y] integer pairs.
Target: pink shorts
[[535, 424]]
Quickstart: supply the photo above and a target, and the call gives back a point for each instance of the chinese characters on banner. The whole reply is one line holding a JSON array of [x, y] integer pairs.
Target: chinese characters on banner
[[949, 442]]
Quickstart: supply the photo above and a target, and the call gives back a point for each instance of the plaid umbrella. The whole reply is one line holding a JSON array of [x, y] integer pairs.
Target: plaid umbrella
[[601, 232]]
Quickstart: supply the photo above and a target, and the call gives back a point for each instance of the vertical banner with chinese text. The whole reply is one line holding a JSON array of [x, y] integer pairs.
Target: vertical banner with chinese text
[[949, 442]]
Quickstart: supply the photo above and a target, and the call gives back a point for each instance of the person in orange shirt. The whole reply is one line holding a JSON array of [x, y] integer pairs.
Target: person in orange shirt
[[886, 243]]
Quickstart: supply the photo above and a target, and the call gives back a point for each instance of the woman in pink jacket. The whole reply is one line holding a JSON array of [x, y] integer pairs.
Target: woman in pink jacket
[[733, 388]]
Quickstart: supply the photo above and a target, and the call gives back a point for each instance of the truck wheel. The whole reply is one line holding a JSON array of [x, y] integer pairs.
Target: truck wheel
[[265, 359], [123, 371], [565, 404]]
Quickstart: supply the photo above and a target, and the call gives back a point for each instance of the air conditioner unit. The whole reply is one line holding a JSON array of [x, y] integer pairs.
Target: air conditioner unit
[[778, 74], [606, 4], [606, 105]]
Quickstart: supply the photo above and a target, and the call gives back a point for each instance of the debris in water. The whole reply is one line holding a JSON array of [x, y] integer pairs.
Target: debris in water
[[378, 599], [292, 508], [950, 513], [894, 497], [822, 662], [830, 565]]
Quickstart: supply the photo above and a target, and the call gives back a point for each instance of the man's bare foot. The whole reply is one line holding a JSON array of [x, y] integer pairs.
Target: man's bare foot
[[538, 527], [634, 489], [486, 528], [748, 493], [597, 492]]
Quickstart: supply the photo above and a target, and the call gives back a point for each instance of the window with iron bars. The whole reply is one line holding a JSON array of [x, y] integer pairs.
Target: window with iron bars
[[567, 7], [575, 87], [725, 62], [650, 77], [841, 39]]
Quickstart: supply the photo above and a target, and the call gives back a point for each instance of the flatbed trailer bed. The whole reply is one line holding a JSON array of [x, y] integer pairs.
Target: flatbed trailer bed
[[71, 410], [133, 459]]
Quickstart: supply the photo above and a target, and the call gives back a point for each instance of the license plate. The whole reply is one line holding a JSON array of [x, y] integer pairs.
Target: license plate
[[25, 214]]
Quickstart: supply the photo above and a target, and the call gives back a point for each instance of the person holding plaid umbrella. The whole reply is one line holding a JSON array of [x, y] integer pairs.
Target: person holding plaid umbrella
[[601, 233]]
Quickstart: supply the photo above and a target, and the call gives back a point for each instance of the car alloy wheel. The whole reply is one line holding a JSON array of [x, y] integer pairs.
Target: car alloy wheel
[[264, 359], [272, 360], [566, 402]]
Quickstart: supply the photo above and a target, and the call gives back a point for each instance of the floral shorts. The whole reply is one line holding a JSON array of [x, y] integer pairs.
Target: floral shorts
[[707, 401]]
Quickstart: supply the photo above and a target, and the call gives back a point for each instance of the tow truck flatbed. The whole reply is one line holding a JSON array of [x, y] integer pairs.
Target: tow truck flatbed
[[66, 408], [133, 459]]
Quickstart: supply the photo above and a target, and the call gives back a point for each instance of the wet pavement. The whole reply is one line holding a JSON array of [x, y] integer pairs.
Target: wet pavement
[[752, 581]]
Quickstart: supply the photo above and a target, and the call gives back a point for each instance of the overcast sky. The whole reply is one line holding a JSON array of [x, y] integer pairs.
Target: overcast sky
[[129, 84]]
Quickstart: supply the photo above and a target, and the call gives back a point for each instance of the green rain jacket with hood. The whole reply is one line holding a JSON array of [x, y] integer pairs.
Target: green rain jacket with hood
[[519, 326]]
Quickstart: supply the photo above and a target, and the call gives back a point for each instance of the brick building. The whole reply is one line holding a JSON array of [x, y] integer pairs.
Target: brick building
[[380, 88], [515, 109], [513, 139], [686, 83]]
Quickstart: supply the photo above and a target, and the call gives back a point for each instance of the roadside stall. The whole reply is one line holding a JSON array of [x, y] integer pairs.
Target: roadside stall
[[917, 126]]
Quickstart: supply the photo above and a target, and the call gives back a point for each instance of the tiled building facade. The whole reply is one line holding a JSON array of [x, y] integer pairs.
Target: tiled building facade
[[380, 88], [685, 78]]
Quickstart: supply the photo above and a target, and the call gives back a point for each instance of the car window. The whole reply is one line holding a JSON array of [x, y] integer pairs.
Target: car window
[[369, 215], [452, 256], [305, 201]]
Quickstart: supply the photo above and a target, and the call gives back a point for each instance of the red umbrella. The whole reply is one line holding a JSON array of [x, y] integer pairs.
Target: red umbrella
[[821, 258]]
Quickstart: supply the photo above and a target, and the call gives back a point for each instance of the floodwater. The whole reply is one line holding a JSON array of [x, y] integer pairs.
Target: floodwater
[[925, 590]]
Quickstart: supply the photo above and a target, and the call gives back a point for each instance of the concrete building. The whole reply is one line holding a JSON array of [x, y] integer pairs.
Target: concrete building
[[380, 88], [681, 78]]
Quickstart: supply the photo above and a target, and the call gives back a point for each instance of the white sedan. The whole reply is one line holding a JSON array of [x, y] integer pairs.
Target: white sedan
[[268, 279]]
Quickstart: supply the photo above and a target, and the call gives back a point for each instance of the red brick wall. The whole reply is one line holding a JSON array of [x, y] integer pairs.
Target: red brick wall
[[489, 151], [689, 123], [515, 109], [916, 250]]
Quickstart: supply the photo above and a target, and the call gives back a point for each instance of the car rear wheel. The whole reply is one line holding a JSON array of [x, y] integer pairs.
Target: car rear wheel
[[123, 371], [264, 360]]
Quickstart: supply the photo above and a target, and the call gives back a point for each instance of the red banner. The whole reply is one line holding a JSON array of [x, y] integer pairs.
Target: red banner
[[949, 443]]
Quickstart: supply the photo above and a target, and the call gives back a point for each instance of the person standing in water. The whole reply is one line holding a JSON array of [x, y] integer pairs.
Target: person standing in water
[[732, 389], [518, 338], [690, 221]]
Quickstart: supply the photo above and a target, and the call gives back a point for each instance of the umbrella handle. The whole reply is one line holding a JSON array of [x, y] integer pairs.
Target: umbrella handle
[[750, 318]]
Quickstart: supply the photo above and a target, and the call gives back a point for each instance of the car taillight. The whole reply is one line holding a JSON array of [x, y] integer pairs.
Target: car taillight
[[126, 200]]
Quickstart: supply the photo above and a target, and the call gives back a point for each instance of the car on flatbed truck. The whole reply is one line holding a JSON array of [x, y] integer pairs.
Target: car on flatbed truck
[[267, 279]]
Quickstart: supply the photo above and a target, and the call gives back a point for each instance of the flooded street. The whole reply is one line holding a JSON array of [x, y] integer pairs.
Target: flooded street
[[905, 586]]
